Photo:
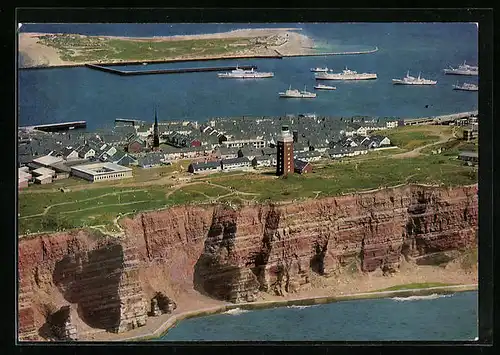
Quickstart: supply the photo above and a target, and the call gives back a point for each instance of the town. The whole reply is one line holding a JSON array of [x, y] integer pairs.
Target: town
[[218, 145]]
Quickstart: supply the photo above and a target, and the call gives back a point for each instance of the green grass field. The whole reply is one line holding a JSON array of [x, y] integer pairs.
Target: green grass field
[[46, 208], [413, 286], [411, 137], [90, 49], [453, 148]]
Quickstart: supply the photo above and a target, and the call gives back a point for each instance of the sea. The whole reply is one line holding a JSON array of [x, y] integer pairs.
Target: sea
[[71, 94], [418, 318]]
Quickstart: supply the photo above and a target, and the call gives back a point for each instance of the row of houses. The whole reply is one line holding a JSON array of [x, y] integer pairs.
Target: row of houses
[[243, 163]]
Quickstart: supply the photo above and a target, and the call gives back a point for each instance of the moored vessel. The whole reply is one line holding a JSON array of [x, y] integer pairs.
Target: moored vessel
[[466, 87], [245, 74], [345, 75], [320, 70], [463, 69], [294, 93], [411, 80], [324, 87]]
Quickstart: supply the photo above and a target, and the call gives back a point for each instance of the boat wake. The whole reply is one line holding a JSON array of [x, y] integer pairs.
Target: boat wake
[[235, 311], [419, 298]]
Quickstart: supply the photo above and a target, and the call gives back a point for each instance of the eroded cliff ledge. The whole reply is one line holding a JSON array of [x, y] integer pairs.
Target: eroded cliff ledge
[[233, 254]]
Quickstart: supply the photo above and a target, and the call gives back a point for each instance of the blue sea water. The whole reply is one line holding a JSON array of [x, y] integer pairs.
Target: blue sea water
[[440, 318], [68, 94]]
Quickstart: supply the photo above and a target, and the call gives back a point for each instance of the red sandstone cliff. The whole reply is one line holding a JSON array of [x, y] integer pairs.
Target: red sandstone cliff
[[233, 254]]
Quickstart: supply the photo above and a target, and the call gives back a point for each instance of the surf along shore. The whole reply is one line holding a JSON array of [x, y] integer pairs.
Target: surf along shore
[[411, 280], [176, 318], [56, 49]]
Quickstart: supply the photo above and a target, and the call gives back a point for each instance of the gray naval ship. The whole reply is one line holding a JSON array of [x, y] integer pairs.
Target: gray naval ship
[[463, 69]]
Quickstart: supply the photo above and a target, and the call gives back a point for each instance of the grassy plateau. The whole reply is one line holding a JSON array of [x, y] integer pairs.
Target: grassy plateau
[[45, 208]]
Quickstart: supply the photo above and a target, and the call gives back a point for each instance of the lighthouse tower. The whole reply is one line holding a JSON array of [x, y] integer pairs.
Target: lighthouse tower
[[284, 154], [156, 136]]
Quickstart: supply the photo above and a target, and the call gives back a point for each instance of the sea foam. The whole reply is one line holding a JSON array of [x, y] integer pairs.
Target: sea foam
[[299, 307], [419, 298], [235, 311]]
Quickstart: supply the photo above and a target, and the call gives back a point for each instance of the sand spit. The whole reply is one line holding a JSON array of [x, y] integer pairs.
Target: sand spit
[[293, 43]]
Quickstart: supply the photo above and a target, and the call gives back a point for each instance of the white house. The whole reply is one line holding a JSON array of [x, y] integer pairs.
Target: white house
[[391, 124]]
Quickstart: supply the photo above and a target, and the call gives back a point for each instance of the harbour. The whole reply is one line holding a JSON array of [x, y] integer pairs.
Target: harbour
[[168, 71], [147, 146], [54, 127]]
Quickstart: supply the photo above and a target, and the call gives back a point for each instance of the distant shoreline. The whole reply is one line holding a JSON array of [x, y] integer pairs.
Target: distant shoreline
[[304, 301], [41, 55]]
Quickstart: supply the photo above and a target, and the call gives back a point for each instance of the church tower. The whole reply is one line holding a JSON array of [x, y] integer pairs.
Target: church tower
[[284, 154], [156, 135]]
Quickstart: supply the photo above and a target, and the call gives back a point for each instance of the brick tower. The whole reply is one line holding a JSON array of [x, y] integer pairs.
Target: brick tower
[[284, 154], [156, 136]]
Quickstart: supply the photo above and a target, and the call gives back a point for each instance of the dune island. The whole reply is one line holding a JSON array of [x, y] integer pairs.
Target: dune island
[[58, 49]]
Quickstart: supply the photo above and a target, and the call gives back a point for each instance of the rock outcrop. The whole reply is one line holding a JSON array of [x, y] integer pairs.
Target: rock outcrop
[[233, 254]]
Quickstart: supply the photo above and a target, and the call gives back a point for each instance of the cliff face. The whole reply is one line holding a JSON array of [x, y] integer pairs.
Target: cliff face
[[98, 276], [233, 254]]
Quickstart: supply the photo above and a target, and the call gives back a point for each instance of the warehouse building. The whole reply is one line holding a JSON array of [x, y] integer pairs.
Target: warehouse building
[[101, 172], [207, 167]]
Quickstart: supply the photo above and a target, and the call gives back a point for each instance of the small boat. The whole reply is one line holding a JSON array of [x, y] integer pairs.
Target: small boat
[[466, 87], [294, 93], [324, 87], [411, 80], [144, 63], [320, 70]]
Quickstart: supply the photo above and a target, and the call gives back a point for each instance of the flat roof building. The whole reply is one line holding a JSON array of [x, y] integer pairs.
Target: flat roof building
[[47, 160], [101, 172]]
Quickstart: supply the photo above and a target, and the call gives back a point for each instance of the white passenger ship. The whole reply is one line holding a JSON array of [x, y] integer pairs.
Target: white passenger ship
[[294, 93], [345, 75], [239, 73]]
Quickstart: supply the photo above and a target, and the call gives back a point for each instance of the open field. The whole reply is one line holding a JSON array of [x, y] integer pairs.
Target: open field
[[101, 205], [454, 147], [411, 137], [46, 208], [93, 49], [66, 49]]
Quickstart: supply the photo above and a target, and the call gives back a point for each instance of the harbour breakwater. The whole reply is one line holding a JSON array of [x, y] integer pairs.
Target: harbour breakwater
[[232, 255], [277, 55], [168, 71]]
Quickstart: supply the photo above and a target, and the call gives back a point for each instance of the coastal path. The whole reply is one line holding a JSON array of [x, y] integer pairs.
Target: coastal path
[[46, 209]]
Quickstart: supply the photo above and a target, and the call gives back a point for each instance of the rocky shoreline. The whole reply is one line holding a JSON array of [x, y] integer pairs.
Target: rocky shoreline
[[212, 256], [175, 319]]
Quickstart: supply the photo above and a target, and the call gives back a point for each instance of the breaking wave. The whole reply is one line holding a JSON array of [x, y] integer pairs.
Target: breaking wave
[[235, 311], [419, 298], [300, 307]]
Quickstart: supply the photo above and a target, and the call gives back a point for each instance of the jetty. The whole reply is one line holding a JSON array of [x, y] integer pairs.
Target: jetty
[[443, 119], [328, 53], [167, 71], [129, 120], [53, 127]]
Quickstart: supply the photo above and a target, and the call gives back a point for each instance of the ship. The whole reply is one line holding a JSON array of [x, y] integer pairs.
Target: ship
[[411, 80], [245, 74], [324, 87], [466, 87], [319, 70], [345, 75], [294, 93], [463, 69]]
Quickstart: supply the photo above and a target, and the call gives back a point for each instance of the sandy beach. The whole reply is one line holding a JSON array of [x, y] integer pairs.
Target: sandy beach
[[292, 43], [192, 302]]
